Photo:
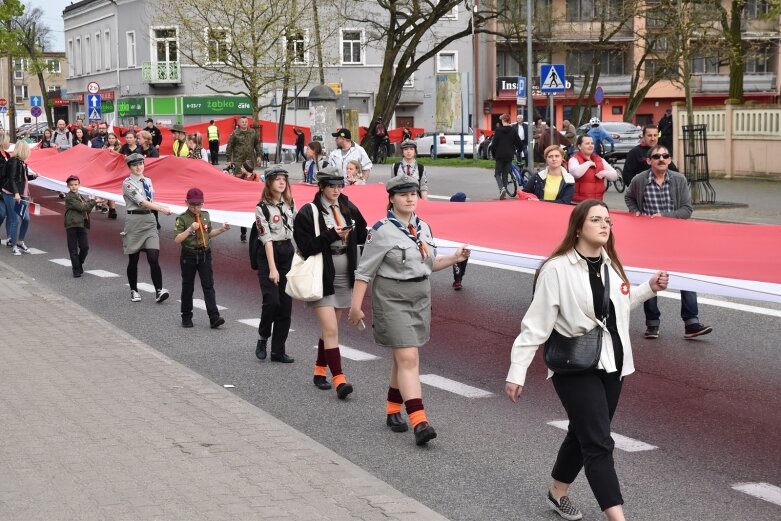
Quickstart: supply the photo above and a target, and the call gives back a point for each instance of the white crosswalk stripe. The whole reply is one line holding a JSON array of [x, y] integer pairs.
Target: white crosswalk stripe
[[446, 384], [354, 354], [622, 442], [764, 491], [61, 262], [254, 322], [102, 274], [201, 304]]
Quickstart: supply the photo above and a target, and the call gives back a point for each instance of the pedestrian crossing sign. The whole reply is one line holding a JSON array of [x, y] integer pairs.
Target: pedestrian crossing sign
[[94, 115], [552, 78]]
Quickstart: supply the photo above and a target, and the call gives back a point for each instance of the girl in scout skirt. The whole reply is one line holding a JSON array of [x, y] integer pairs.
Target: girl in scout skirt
[[398, 257], [140, 232], [342, 229], [274, 221]]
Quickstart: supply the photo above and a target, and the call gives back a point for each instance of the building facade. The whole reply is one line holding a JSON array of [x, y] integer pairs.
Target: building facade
[[22, 86]]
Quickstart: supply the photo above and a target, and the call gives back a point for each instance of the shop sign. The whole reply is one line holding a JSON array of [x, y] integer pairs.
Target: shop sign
[[217, 105]]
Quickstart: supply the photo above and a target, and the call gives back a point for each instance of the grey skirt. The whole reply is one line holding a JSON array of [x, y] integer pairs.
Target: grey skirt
[[401, 312], [140, 234], [343, 294]]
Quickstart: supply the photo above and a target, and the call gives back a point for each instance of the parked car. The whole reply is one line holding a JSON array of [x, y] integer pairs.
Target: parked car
[[625, 135], [483, 149], [447, 144]]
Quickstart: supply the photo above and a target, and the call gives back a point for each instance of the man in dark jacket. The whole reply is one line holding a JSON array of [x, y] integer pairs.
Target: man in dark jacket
[[157, 136], [503, 146], [637, 158], [666, 130], [522, 129]]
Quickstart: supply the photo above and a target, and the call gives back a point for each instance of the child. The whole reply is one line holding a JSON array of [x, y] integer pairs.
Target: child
[[459, 268], [194, 232], [354, 173], [77, 210]]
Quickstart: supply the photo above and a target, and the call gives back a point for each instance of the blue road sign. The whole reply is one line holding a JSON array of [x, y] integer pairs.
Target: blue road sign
[[94, 114], [93, 101], [599, 95], [36, 111], [3, 109], [36, 101], [521, 87], [552, 79]]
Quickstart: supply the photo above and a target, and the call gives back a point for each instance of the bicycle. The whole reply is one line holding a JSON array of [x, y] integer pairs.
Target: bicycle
[[382, 151], [613, 158], [518, 176]]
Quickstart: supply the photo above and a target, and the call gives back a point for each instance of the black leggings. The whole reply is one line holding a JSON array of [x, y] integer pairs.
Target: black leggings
[[153, 258]]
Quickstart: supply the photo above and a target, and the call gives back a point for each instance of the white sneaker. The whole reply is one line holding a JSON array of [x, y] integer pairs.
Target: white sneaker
[[135, 296], [22, 246], [15, 251], [502, 194], [162, 294]]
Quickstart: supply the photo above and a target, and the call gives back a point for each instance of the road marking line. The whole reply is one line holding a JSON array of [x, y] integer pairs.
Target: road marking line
[[62, 262], [228, 386], [501, 266], [441, 197], [201, 304], [143, 286], [255, 322], [764, 491], [622, 442], [36, 251], [725, 304], [446, 384], [354, 354], [102, 274]]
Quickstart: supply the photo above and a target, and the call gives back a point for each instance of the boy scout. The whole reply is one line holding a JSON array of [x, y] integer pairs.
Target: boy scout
[[194, 232]]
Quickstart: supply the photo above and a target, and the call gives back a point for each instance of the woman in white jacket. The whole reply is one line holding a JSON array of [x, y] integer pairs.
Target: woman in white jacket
[[568, 296]]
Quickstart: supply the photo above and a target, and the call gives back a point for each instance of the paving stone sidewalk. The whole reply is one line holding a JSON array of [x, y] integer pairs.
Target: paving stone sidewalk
[[94, 424]]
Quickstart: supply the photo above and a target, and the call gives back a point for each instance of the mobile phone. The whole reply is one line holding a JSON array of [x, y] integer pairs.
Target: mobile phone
[[361, 325]]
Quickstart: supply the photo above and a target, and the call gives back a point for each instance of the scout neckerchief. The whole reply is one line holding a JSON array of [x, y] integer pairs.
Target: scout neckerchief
[[337, 219], [147, 189], [283, 213], [411, 169], [200, 230], [411, 231]]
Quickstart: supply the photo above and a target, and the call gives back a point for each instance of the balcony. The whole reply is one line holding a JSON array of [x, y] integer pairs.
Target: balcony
[[592, 31], [613, 85], [165, 73], [411, 97], [719, 83]]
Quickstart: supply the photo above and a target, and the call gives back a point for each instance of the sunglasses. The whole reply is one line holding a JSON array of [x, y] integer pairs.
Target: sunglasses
[[660, 156]]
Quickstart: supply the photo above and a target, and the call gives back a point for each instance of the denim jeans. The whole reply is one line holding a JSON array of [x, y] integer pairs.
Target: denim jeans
[[15, 232], [689, 310]]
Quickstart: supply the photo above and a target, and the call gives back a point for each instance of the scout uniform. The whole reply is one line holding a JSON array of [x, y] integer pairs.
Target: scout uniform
[[77, 210], [196, 257], [274, 225], [413, 169]]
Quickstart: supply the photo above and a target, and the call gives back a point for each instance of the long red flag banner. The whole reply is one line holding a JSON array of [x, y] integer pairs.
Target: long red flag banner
[[738, 260]]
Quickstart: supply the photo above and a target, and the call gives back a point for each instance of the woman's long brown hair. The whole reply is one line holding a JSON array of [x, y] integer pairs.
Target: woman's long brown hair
[[576, 220], [287, 195]]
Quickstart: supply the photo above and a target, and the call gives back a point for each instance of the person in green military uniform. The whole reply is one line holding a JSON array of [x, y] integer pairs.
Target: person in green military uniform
[[194, 233], [243, 145]]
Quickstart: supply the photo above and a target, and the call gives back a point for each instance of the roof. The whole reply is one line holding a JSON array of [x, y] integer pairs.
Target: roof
[[82, 3]]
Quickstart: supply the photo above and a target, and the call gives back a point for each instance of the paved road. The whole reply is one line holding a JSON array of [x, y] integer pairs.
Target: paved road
[[709, 407]]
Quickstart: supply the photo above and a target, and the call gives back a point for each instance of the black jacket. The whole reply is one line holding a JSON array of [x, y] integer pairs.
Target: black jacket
[[308, 244], [525, 139], [505, 142], [635, 163], [16, 176]]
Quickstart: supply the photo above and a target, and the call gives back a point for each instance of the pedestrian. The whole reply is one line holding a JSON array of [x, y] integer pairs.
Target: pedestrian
[[5, 156], [354, 174], [662, 192], [569, 297], [112, 142], [552, 183], [589, 171], [80, 137], [522, 129], [243, 145], [99, 140], [459, 268], [300, 139], [409, 166], [156, 136], [195, 147], [16, 196], [274, 216], [131, 146], [77, 224], [666, 130], [179, 146], [570, 133], [141, 228], [62, 138], [145, 139], [46, 139], [379, 137], [213, 135], [194, 232], [399, 256], [342, 229], [247, 173], [346, 149], [316, 161], [637, 159], [504, 145]]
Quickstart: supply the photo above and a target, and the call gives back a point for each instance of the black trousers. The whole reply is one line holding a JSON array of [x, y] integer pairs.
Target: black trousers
[[277, 305], [78, 247], [200, 263], [214, 151], [501, 172], [459, 269], [590, 400]]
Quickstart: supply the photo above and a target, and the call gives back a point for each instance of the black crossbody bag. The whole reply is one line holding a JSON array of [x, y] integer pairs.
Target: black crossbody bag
[[578, 354]]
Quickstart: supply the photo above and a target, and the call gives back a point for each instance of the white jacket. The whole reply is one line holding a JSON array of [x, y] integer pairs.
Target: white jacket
[[563, 299]]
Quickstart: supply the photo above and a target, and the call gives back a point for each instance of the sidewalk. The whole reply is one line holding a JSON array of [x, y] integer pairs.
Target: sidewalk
[[97, 425]]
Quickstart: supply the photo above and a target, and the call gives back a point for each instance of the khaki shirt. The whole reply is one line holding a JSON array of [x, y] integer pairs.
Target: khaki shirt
[[330, 220], [390, 253], [133, 192], [279, 226], [195, 241]]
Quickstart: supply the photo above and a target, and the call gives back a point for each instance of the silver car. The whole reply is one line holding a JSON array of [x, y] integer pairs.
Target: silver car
[[447, 144], [625, 135]]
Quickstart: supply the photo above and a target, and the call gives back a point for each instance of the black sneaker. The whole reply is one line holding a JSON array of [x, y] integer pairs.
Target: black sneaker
[[651, 332], [162, 294], [343, 391], [260, 348], [564, 508], [187, 322], [695, 330], [216, 322]]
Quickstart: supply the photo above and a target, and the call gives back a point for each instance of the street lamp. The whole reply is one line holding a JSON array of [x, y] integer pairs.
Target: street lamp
[[475, 89]]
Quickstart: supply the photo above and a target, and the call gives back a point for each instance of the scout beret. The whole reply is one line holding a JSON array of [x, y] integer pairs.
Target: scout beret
[[330, 175], [402, 184], [134, 159]]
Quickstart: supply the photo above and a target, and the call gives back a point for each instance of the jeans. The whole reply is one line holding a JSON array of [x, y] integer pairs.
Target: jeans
[[277, 305], [502, 172], [689, 310], [590, 400], [78, 247], [200, 263], [16, 233]]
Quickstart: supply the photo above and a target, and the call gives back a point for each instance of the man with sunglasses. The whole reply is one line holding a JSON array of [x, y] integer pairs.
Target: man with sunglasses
[[663, 192], [636, 159]]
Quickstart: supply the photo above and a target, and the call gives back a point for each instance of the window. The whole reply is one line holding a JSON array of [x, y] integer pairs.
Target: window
[[77, 58], [296, 49], [755, 9], [352, 43], [52, 88], [410, 83], [216, 45], [757, 62], [611, 62], [87, 56], [20, 92], [53, 64], [506, 64], [660, 69], [131, 48], [98, 53], [165, 43], [452, 15], [447, 61], [71, 59], [302, 103], [20, 65], [589, 10], [660, 43], [107, 50], [705, 65]]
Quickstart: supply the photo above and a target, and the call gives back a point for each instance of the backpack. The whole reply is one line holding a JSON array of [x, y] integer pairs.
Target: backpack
[[397, 166], [254, 240], [379, 130]]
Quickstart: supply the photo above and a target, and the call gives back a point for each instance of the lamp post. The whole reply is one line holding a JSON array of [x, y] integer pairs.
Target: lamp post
[[476, 88], [529, 96]]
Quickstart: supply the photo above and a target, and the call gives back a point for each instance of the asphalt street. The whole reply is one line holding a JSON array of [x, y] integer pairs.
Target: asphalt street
[[700, 416]]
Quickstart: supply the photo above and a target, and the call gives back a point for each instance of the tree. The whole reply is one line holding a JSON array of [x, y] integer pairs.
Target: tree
[[408, 34], [8, 40], [33, 36]]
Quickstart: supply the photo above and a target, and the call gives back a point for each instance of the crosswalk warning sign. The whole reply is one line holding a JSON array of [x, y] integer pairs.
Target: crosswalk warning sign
[[553, 79], [94, 115]]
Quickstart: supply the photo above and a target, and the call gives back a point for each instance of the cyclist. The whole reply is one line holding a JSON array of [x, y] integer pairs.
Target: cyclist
[[380, 135], [503, 146], [599, 135]]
